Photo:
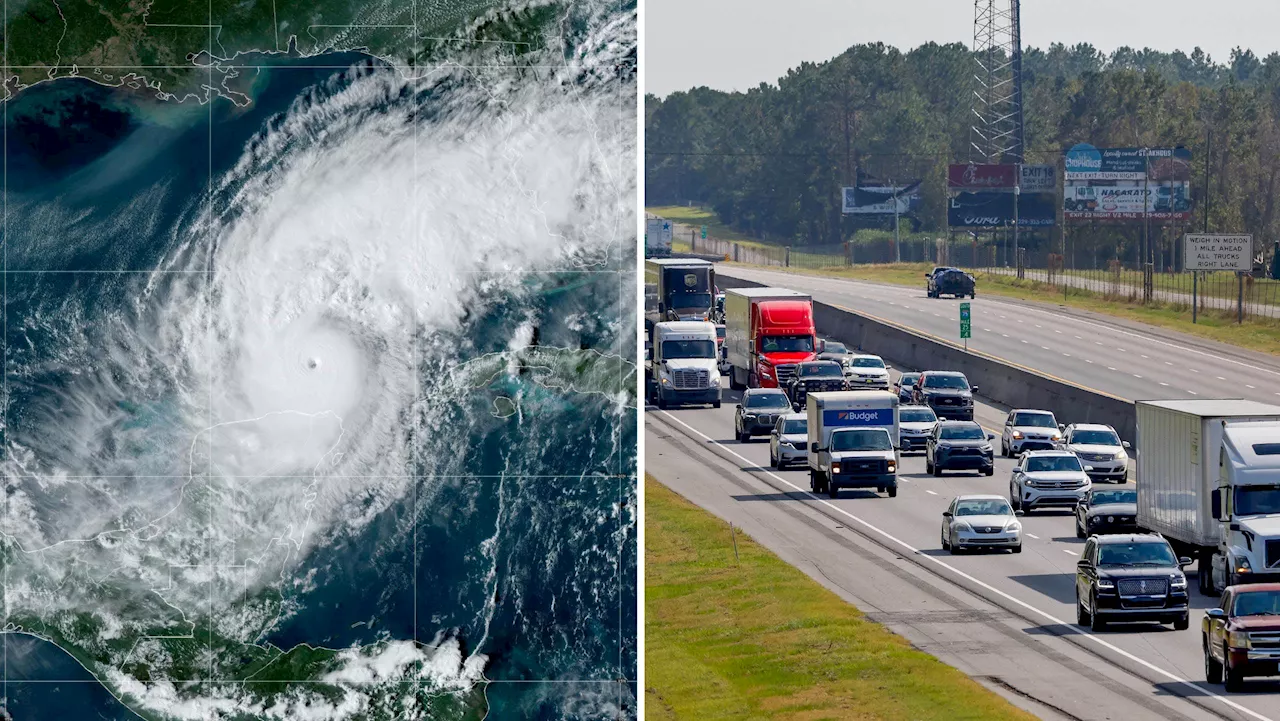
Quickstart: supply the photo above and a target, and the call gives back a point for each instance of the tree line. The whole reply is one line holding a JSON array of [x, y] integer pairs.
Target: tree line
[[771, 161]]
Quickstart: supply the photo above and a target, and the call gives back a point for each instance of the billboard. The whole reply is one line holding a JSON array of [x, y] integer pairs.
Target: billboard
[[879, 199], [995, 210], [1126, 183], [981, 177], [1218, 252]]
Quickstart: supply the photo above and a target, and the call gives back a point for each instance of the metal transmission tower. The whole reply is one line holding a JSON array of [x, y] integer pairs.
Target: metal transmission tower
[[996, 134]]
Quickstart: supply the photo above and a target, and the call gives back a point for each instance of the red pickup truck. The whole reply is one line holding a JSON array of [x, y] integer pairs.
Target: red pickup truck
[[1241, 637]]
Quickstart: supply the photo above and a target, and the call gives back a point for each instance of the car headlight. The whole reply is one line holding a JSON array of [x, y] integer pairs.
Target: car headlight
[[787, 444], [985, 448], [1012, 526], [963, 526], [1055, 437], [1106, 583], [748, 416], [1243, 565], [1122, 456], [893, 467], [664, 381], [835, 467], [1017, 435], [1178, 581], [1239, 639]]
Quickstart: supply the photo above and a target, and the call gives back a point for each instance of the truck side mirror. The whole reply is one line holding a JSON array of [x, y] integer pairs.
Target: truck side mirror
[[1082, 564], [973, 389], [1124, 444], [1062, 426], [1215, 612], [1183, 561], [1215, 501], [946, 514], [991, 437], [737, 406], [813, 447], [926, 275]]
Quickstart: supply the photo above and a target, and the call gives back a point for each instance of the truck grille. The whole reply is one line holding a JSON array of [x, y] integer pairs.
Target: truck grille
[[785, 373], [871, 466], [1273, 553], [1143, 586], [1264, 640], [690, 379]]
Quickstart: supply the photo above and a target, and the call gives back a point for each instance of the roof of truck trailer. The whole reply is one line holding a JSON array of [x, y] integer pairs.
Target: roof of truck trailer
[[1217, 407], [678, 261]]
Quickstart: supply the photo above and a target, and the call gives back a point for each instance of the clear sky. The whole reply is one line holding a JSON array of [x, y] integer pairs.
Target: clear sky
[[738, 44]]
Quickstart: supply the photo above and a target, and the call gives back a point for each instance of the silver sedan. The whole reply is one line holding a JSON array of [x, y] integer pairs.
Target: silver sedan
[[980, 521]]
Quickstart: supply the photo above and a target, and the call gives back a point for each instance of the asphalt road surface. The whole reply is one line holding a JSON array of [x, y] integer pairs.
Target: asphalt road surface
[[1008, 620], [1116, 357]]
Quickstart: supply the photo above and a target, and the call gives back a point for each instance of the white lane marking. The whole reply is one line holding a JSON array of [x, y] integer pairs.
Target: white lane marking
[[935, 315], [1221, 378], [1032, 535], [1121, 350], [1163, 383], [1067, 355], [1097, 342], [1079, 338], [1168, 363], [1110, 368], [1145, 356], [1019, 320], [1086, 360], [1006, 335], [1193, 370], [1024, 341], [1058, 332], [934, 493], [1198, 690], [1135, 375], [986, 330], [1196, 394], [1001, 316], [1039, 326], [1071, 552], [1246, 385], [1044, 347]]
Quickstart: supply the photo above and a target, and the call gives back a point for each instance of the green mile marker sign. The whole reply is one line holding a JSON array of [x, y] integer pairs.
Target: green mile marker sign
[[704, 232], [964, 320]]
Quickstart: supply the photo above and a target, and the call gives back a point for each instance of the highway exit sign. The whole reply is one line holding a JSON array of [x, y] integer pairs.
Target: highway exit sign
[[964, 320], [704, 232]]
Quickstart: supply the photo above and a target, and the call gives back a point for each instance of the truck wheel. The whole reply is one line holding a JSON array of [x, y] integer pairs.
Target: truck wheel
[[773, 460], [1082, 616], [833, 491], [662, 402], [1079, 530], [1234, 679], [989, 471], [1212, 669], [893, 491], [928, 466], [1182, 624], [1095, 621], [715, 404], [937, 470], [813, 481]]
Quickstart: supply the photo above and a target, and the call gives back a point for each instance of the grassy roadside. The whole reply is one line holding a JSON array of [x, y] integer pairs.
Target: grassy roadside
[[1259, 334], [761, 640], [702, 216]]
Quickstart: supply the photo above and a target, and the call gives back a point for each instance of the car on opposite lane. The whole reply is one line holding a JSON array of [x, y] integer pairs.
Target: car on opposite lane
[[1107, 510], [1047, 479], [915, 425], [789, 441], [758, 411], [1027, 429], [980, 521], [959, 445], [903, 386], [948, 393], [1100, 447], [1241, 636], [949, 281], [868, 371], [815, 377], [1131, 577]]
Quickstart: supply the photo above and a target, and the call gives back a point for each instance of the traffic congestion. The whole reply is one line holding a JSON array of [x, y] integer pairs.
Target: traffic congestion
[[844, 425]]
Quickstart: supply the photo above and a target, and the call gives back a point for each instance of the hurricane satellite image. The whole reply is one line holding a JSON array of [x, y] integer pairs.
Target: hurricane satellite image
[[319, 395]]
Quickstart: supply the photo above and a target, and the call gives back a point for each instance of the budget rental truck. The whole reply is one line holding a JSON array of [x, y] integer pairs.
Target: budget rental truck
[[684, 361], [1208, 478], [853, 441], [767, 332]]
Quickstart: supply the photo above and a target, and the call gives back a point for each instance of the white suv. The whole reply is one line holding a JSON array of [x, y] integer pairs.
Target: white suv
[[1048, 478], [1029, 430], [1100, 448]]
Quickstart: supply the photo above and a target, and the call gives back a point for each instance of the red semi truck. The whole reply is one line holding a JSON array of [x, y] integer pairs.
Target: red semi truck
[[767, 332]]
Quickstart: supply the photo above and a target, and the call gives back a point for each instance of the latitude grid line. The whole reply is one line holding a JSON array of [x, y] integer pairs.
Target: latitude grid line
[[208, 271]]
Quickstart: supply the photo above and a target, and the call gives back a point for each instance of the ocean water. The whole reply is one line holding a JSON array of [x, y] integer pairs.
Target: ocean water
[[345, 367]]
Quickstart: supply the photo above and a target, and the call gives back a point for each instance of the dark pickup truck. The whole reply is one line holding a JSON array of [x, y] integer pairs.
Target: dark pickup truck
[[815, 377], [949, 281]]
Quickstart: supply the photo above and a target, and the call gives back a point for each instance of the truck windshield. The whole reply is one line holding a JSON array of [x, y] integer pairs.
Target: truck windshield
[[870, 439], [1095, 438], [1257, 603], [797, 427], [766, 400], [1257, 500], [945, 382], [821, 370], [691, 301], [672, 349], [1136, 554], [1053, 463], [786, 344]]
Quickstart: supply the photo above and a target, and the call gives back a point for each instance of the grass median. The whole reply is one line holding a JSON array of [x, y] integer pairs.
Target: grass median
[[758, 639], [1256, 333]]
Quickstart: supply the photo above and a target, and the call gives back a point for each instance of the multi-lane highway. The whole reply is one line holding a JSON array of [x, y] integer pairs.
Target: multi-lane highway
[[1111, 356], [1006, 619]]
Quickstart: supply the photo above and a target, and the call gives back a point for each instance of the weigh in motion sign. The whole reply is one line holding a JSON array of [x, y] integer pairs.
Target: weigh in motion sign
[[1218, 252], [964, 320]]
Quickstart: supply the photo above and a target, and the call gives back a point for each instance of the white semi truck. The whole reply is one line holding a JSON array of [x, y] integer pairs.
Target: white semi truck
[[1208, 478], [684, 363], [853, 441]]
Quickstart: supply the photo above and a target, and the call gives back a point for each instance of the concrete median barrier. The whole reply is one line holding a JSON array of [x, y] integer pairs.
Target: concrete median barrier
[[998, 379]]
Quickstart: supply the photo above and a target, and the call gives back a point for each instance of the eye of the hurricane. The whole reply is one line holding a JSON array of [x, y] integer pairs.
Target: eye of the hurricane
[[297, 394]]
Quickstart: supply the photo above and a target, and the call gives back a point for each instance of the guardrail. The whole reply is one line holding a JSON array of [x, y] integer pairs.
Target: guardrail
[[997, 379]]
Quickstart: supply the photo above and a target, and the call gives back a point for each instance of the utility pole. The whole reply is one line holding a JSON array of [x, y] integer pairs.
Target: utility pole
[[897, 244], [1017, 193], [1146, 227]]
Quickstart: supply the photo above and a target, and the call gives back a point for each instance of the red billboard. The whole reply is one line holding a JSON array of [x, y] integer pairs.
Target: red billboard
[[976, 177]]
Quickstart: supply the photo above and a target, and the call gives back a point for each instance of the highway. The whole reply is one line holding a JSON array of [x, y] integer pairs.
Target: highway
[[1005, 619], [1112, 356]]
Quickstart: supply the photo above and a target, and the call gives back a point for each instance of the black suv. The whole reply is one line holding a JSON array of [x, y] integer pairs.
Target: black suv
[[815, 377], [950, 281], [959, 445], [1107, 510], [948, 393], [758, 412], [1130, 577]]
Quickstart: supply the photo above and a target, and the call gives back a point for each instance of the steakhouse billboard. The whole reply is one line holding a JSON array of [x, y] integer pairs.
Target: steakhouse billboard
[[1126, 183], [995, 210]]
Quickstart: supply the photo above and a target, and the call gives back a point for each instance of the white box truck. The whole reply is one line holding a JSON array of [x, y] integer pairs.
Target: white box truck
[[684, 363], [853, 441], [1208, 478]]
